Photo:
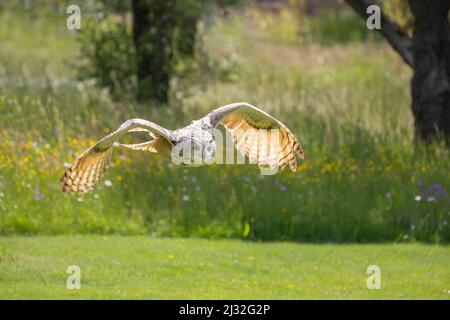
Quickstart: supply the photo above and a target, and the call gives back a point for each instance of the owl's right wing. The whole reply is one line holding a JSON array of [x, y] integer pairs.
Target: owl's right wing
[[89, 167], [258, 135]]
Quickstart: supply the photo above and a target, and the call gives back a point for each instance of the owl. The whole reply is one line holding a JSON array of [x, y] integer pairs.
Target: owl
[[265, 140]]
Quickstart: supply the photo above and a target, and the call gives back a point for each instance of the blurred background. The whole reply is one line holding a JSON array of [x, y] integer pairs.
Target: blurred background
[[369, 174]]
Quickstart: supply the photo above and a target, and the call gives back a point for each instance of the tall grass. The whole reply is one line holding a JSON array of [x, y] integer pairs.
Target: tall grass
[[363, 178]]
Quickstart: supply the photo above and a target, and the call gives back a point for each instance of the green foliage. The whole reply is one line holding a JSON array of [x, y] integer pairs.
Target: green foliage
[[108, 56], [187, 16], [115, 6], [339, 27], [109, 52], [399, 11]]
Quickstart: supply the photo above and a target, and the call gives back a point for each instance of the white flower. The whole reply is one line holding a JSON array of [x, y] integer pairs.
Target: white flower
[[417, 198], [2, 194], [186, 198], [80, 199], [431, 199], [108, 183]]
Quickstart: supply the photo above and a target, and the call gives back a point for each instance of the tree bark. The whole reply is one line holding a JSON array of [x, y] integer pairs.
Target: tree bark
[[430, 86], [428, 53], [390, 30], [188, 14], [188, 31], [153, 25]]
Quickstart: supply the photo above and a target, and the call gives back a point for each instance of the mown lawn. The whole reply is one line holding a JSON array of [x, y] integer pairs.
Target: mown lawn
[[116, 267]]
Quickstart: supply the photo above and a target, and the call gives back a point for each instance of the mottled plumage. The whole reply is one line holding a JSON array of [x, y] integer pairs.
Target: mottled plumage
[[256, 134]]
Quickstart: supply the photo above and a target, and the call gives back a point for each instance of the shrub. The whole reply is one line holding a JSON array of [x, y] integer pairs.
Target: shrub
[[108, 56]]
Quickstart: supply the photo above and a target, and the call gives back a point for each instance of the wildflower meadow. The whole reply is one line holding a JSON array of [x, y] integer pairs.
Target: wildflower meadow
[[362, 179]]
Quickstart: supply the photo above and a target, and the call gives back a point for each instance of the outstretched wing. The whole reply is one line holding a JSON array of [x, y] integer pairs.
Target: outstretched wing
[[90, 166], [258, 135]]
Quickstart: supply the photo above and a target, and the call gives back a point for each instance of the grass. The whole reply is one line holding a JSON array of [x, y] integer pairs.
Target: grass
[[348, 104], [115, 267]]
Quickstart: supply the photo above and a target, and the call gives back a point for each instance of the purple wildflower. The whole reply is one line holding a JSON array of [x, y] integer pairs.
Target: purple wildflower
[[439, 190], [283, 187], [421, 189], [38, 195], [437, 186], [388, 194]]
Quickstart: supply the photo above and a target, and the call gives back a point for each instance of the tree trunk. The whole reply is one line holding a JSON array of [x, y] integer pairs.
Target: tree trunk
[[430, 86], [153, 26], [428, 53], [188, 31], [188, 14], [397, 38]]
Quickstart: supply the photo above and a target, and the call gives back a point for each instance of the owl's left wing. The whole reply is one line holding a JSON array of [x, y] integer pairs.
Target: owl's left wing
[[258, 135], [88, 169]]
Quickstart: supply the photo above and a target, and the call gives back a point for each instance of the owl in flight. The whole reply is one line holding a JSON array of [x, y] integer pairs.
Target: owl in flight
[[256, 134]]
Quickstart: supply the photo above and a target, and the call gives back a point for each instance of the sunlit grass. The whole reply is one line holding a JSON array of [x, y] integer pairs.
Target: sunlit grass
[[146, 268]]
